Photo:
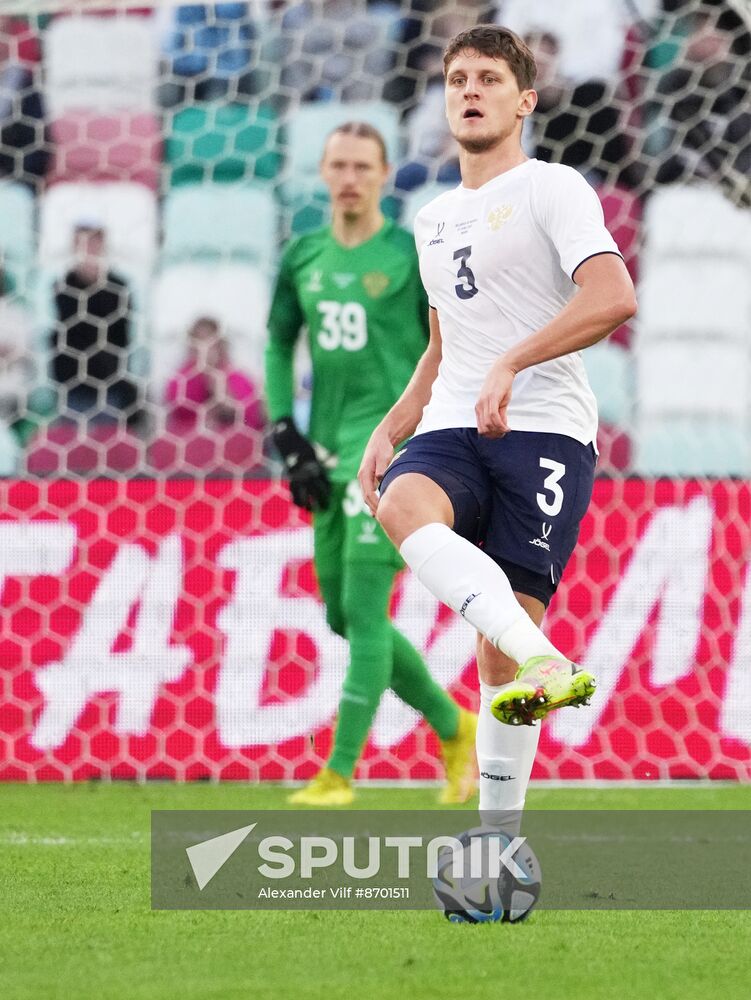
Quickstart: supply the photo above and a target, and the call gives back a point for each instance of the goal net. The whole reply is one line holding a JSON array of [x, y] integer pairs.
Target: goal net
[[158, 608]]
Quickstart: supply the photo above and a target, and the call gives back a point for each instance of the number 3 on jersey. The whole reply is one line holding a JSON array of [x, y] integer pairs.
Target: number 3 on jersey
[[468, 287], [343, 324]]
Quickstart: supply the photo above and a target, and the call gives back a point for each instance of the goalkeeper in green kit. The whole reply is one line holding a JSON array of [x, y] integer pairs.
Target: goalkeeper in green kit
[[355, 286]]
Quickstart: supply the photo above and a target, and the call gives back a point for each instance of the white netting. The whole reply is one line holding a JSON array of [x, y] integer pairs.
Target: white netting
[[154, 161]]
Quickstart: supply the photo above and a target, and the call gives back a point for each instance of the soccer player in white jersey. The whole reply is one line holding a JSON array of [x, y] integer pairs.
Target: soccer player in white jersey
[[485, 501]]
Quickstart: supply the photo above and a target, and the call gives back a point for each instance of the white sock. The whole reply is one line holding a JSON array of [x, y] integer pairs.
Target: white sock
[[505, 755], [465, 578]]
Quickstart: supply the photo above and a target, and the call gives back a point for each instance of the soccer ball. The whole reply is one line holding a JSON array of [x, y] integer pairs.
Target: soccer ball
[[483, 893]]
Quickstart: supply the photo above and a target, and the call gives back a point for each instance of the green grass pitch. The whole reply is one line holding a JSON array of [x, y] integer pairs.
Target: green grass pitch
[[75, 919]]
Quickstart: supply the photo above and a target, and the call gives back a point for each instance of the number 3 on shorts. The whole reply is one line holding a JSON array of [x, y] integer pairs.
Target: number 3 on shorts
[[551, 485]]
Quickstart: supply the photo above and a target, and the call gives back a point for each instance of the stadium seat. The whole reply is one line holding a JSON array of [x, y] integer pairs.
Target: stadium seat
[[115, 147], [235, 294], [308, 210], [63, 449], [222, 143], [127, 211], [419, 198], [693, 379], [614, 446], [227, 222], [310, 125], [17, 233], [10, 453], [103, 64], [686, 447], [692, 354], [610, 372], [698, 220], [22, 40], [622, 211], [216, 46], [230, 453], [695, 297]]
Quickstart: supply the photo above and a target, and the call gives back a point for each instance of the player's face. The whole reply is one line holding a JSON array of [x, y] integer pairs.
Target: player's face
[[484, 104], [354, 172]]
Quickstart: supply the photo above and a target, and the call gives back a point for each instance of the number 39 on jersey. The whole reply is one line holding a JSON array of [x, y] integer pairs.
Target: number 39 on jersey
[[343, 325]]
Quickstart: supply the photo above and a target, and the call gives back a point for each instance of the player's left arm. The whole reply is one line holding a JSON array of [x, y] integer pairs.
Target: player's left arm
[[605, 300]]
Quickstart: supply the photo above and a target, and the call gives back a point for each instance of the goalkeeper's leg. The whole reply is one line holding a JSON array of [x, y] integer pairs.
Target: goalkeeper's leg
[[356, 565], [380, 656], [365, 590], [456, 728], [375, 643]]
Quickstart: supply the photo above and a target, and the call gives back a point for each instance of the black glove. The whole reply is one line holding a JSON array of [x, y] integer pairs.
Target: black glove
[[308, 480]]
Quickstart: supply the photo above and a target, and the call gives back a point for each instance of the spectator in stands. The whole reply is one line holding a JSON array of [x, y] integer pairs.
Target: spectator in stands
[[91, 339], [207, 389], [23, 147], [215, 417]]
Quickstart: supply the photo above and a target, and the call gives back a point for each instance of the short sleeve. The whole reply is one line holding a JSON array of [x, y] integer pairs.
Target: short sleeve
[[418, 226], [569, 212]]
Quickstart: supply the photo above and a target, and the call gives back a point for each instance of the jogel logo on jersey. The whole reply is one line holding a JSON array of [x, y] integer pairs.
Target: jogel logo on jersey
[[343, 280], [498, 216], [437, 238], [375, 283], [315, 282], [368, 534]]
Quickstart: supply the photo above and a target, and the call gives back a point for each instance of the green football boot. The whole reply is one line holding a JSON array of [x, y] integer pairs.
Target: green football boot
[[541, 685]]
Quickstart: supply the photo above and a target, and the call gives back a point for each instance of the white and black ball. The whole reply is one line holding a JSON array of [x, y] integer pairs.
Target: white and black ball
[[482, 893]]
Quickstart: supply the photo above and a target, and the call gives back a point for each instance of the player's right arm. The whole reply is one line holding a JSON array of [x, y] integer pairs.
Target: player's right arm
[[308, 480], [403, 417]]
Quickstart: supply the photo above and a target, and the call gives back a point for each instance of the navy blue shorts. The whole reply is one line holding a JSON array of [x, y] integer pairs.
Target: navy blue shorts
[[521, 497]]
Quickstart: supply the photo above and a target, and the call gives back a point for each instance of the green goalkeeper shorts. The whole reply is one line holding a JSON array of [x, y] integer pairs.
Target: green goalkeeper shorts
[[348, 533]]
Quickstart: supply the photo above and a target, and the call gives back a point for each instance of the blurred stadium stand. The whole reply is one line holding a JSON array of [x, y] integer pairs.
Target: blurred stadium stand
[[193, 133]]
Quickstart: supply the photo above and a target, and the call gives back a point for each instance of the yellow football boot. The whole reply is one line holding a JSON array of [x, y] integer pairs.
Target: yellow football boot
[[327, 789], [460, 762], [542, 684]]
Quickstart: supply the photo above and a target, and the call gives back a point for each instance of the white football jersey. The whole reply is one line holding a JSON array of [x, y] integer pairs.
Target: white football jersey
[[497, 264]]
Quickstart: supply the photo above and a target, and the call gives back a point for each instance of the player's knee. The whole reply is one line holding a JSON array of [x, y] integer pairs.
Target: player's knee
[[387, 512], [396, 514], [361, 617], [411, 501]]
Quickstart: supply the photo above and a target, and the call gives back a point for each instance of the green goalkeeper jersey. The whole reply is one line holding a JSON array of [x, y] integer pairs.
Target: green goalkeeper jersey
[[366, 315]]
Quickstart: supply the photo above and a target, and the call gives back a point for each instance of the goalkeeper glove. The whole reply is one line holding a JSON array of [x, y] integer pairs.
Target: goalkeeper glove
[[308, 481]]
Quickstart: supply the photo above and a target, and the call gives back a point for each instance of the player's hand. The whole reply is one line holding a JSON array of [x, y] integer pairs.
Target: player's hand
[[309, 483], [375, 461], [492, 404]]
